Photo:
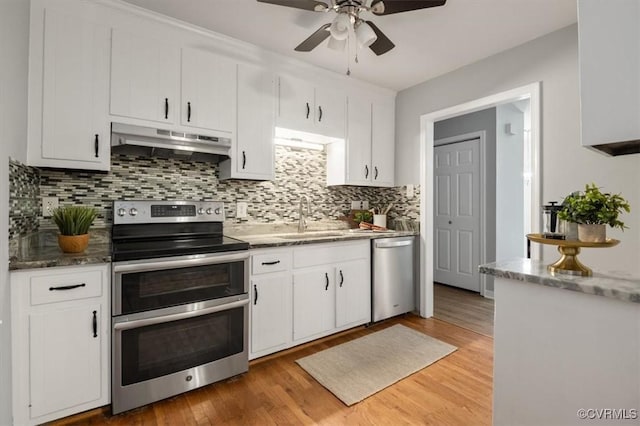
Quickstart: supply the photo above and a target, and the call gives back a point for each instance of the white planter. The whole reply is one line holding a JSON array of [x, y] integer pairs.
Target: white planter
[[592, 233]]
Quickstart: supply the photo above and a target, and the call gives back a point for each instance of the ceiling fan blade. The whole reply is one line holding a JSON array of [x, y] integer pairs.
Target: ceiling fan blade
[[314, 39], [387, 7], [382, 44], [313, 5]]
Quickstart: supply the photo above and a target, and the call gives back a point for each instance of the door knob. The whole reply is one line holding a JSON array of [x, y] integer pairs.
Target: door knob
[[450, 222]]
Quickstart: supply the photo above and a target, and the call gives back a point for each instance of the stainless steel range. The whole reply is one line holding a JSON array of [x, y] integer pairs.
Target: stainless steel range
[[179, 300]]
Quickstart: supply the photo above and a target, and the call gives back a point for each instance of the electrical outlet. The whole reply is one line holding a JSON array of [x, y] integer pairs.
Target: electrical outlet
[[364, 205], [409, 191], [48, 205], [241, 209]]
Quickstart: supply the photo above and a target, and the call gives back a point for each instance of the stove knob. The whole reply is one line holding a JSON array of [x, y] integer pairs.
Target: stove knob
[[200, 210], [209, 211], [133, 211], [121, 212], [217, 211]]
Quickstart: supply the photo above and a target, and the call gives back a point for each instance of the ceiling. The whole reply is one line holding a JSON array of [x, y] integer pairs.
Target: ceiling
[[429, 42]]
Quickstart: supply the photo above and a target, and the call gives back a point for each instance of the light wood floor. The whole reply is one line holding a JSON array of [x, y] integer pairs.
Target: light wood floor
[[463, 308], [457, 390]]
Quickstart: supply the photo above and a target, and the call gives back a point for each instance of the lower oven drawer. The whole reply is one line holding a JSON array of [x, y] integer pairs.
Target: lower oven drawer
[[170, 351]]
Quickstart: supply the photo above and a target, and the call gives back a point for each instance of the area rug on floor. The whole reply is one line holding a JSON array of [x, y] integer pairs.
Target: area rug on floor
[[357, 369]]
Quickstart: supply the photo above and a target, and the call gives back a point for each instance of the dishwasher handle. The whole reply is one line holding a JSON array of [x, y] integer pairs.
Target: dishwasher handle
[[393, 244]]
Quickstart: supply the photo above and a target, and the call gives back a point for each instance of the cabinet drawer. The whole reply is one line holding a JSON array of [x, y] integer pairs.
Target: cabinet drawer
[[65, 286], [270, 262], [323, 254]]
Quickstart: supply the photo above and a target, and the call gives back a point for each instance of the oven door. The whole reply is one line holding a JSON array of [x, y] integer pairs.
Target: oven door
[[163, 353], [143, 285]]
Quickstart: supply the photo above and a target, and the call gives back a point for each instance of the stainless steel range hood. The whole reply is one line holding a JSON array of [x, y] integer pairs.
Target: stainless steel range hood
[[146, 141]]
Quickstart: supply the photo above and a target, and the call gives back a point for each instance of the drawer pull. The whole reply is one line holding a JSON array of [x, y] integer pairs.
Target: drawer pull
[[67, 287], [275, 262], [95, 324]]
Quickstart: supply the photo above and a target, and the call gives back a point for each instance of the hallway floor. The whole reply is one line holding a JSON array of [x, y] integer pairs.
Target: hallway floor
[[463, 308]]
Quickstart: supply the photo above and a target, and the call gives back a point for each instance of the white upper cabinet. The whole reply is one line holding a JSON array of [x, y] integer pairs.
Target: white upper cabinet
[[609, 55], [366, 158], [306, 107], [253, 156], [144, 78], [383, 142], [69, 91], [208, 91]]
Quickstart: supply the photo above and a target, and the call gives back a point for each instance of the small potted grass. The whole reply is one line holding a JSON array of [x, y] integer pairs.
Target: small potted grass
[[73, 223]]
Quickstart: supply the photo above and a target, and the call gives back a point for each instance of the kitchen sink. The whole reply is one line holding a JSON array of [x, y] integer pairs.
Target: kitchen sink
[[309, 235]]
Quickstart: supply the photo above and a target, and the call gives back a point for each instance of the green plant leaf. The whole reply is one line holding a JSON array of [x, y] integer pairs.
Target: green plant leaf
[[594, 207], [74, 220]]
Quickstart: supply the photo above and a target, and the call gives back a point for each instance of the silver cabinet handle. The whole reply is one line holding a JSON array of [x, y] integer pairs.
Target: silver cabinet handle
[[175, 317], [183, 263]]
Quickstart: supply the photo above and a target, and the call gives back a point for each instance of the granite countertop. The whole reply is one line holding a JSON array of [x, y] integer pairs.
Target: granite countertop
[[614, 285], [313, 237], [40, 250]]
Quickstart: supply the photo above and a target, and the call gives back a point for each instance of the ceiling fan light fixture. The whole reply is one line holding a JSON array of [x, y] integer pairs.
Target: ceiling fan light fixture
[[365, 35], [336, 44], [340, 26]]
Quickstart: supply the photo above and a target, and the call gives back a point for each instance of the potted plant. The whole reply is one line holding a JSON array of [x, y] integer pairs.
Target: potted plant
[[73, 223], [593, 210]]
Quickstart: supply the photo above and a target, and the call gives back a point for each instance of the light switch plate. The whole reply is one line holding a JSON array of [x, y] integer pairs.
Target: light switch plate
[[241, 210], [364, 205], [355, 205], [48, 205]]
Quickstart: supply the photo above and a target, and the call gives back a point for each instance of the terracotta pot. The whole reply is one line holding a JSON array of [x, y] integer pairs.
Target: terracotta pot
[[592, 233], [73, 243]]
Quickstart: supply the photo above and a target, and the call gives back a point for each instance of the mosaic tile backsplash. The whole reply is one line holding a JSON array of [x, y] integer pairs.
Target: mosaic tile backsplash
[[298, 172]]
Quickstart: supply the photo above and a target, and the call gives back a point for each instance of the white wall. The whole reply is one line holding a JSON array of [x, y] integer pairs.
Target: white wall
[[566, 166], [510, 238], [14, 48]]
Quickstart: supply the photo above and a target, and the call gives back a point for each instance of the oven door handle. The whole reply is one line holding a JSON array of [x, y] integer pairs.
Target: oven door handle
[[175, 317], [141, 266]]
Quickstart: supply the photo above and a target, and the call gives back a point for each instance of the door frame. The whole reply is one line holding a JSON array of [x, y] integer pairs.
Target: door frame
[[482, 135], [531, 92]]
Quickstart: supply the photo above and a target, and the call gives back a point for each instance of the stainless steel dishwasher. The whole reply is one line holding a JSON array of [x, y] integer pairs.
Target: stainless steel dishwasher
[[393, 277]]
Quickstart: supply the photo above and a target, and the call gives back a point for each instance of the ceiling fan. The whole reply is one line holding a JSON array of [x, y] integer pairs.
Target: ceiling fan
[[348, 19]]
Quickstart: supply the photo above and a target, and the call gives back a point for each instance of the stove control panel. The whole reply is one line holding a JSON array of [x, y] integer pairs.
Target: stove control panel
[[129, 212]]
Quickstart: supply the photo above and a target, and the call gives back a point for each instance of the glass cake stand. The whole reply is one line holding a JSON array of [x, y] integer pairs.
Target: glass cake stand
[[569, 249]]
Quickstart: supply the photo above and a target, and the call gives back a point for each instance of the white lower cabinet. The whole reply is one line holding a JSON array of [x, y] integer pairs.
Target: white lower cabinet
[[313, 302], [270, 313], [306, 292], [60, 342]]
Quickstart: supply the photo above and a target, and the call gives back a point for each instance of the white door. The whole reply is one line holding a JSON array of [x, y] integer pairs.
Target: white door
[[353, 293], [330, 112], [383, 142], [145, 77], [209, 94], [313, 302], [270, 311], [295, 104], [65, 358], [254, 146], [359, 141], [457, 214]]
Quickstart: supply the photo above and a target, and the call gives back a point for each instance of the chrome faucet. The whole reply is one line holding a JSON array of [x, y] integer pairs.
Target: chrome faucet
[[302, 219]]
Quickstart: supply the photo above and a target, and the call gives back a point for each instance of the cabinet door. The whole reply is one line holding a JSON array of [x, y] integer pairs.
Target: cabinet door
[[144, 78], [254, 154], [295, 104], [330, 112], [383, 143], [359, 171], [75, 92], [270, 312], [313, 302], [65, 360], [209, 84], [353, 293]]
